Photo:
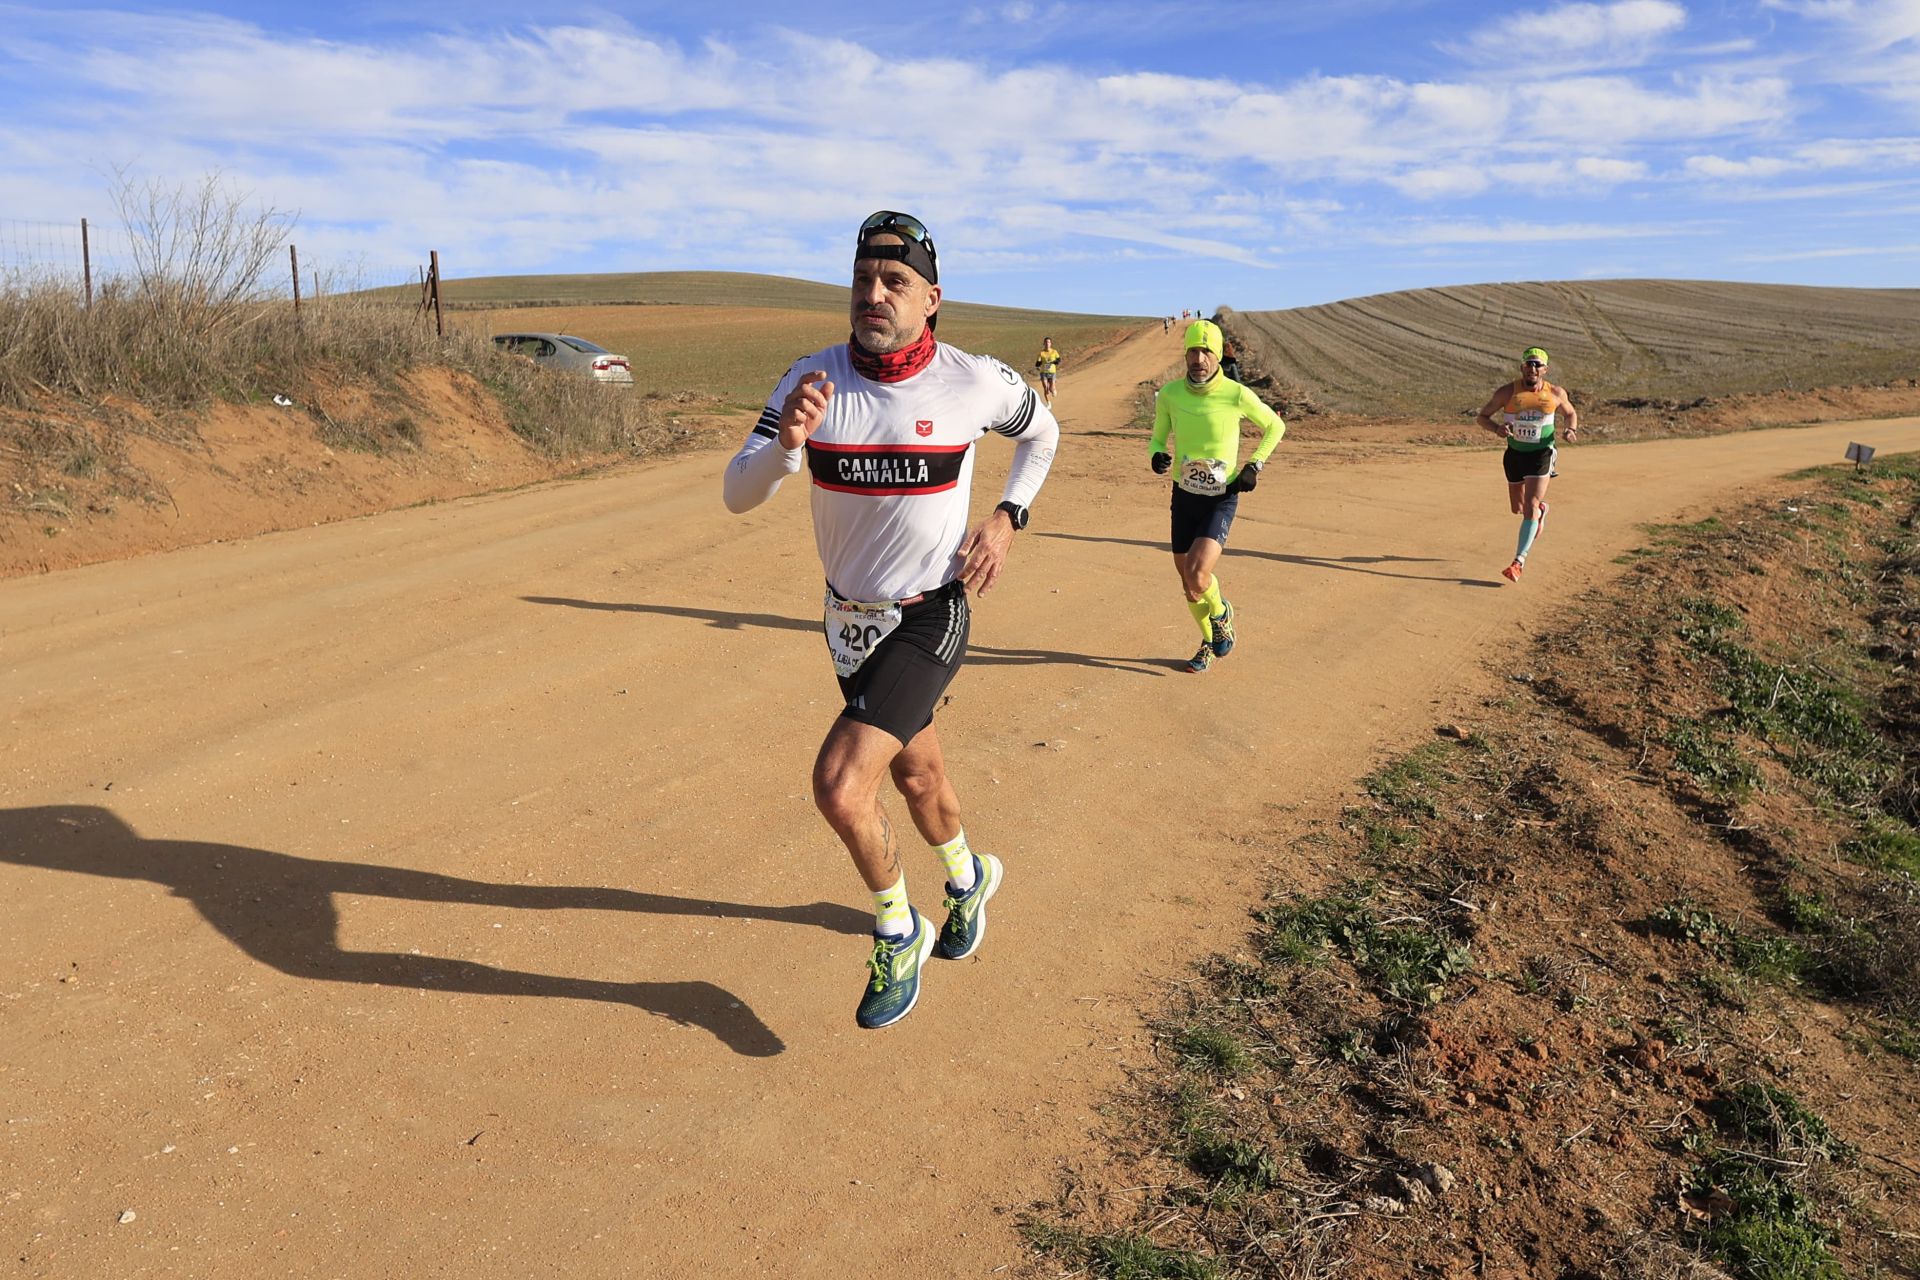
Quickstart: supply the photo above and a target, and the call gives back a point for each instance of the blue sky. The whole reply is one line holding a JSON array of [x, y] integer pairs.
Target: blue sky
[[1120, 157]]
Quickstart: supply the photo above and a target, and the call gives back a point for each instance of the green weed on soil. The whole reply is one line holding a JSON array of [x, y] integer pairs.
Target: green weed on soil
[[1295, 1085]]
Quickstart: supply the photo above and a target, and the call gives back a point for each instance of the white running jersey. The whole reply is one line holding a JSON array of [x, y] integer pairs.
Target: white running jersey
[[892, 465]]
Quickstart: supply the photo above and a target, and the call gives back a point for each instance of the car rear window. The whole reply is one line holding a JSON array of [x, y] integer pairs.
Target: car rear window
[[581, 344]]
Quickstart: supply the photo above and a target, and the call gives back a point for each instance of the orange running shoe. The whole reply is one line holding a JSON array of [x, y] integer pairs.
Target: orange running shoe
[[1513, 571]]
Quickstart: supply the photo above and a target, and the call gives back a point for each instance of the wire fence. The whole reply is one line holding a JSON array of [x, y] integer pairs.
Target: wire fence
[[88, 258]]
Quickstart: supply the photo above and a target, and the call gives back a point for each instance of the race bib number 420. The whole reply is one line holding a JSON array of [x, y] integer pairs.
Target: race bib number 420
[[1204, 476], [853, 629]]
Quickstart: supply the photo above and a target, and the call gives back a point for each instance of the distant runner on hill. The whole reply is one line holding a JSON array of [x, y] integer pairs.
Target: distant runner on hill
[[1048, 363], [1530, 411], [1202, 411], [884, 425]]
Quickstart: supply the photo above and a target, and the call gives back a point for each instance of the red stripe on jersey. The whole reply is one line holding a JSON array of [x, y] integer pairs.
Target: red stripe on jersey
[[885, 493]]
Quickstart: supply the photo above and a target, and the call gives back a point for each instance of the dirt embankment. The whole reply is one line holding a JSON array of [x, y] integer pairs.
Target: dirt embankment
[[1617, 977], [83, 483]]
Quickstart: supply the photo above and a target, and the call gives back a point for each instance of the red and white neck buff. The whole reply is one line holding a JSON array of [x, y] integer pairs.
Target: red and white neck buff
[[896, 366]]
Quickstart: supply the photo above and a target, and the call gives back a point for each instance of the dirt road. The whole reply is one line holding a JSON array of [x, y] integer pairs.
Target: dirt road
[[439, 894]]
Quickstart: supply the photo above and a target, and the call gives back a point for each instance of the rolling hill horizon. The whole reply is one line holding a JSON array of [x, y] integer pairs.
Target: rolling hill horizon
[[1431, 352], [702, 288]]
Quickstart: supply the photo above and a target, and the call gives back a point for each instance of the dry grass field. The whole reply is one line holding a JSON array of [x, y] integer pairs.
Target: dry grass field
[[730, 336], [1438, 352]]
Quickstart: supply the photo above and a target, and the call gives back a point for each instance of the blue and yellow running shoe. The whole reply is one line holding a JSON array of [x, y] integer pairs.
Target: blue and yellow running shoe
[[1222, 624], [1201, 660], [894, 983], [967, 912]]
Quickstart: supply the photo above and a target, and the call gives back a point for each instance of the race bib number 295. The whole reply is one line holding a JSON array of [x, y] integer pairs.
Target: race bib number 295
[[1204, 476]]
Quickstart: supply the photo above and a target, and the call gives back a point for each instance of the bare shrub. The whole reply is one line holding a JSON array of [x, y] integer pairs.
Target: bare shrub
[[199, 253]]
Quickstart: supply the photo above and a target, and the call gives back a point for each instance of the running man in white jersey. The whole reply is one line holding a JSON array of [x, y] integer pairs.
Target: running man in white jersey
[[885, 425]]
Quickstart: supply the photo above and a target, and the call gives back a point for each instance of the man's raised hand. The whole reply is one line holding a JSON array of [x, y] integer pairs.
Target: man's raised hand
[[805, 408]]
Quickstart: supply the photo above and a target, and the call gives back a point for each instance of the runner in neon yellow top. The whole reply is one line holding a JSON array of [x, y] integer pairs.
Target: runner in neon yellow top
[[1202, 411]]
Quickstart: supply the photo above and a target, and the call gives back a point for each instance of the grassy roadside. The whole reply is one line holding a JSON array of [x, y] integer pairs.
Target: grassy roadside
[[1620, 979], [730, 356], [164, 350]]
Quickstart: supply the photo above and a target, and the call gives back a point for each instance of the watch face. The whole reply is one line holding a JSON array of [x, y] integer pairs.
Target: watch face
[[1015, 513]]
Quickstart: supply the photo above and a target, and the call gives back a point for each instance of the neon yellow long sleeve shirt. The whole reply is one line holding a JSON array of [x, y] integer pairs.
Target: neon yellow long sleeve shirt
[[1205, 422]]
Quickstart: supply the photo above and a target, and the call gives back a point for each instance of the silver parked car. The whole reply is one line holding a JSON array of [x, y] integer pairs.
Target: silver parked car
[[564, 351]]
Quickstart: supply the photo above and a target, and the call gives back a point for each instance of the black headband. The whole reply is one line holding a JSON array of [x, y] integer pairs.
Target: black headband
[[911, 252]]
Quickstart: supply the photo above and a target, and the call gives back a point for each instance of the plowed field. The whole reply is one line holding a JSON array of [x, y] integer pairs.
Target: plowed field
[[1437, 352]]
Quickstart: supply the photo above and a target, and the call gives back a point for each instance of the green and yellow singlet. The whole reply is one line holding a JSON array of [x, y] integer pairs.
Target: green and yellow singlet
[[1529, 416]]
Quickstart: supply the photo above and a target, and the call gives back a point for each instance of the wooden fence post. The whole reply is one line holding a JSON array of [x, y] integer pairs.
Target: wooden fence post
[[86, 262], [439, 321], [293, 256]]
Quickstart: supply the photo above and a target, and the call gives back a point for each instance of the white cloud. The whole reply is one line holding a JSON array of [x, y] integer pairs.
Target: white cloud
[[1607, 171], [1754, 167], [1883, 156], [1612, 110], [1873, 44], [1837, 251], [1438, 184], [1463, 231], [1878, 24], [1577, 35]]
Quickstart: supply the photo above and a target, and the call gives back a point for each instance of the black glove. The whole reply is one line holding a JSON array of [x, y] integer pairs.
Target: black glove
[[1249, 476], [1161, 463]]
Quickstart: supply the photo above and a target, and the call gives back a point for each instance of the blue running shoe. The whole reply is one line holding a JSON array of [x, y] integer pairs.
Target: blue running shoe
[[1222, 624], [894, 984], [967, 912], [1202, 659]]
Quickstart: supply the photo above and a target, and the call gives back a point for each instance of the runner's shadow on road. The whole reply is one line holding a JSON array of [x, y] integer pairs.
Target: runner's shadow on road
[[279, 909], [984, 654], [1346, 564]]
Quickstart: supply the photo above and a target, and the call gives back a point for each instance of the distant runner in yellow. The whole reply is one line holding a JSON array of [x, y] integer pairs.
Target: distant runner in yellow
[[1531, 412], [1202, 412], [1048, 363]]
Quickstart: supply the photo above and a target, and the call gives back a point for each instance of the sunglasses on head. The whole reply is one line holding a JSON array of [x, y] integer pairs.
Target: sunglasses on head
[[901, 224]]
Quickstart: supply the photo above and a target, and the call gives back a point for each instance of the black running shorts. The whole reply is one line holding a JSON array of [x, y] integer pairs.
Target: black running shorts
[[1524, 464], [1195, 516], [897, 687]]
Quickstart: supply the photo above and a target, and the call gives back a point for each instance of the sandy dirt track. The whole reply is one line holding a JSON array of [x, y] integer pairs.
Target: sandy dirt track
[[438, 893]]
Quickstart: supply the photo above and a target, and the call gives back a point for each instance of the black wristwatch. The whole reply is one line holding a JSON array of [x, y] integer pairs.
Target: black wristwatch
[[1016, 513]]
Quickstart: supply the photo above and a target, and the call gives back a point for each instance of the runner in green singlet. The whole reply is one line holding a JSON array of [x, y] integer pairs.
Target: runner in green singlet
[[1531, 413]]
